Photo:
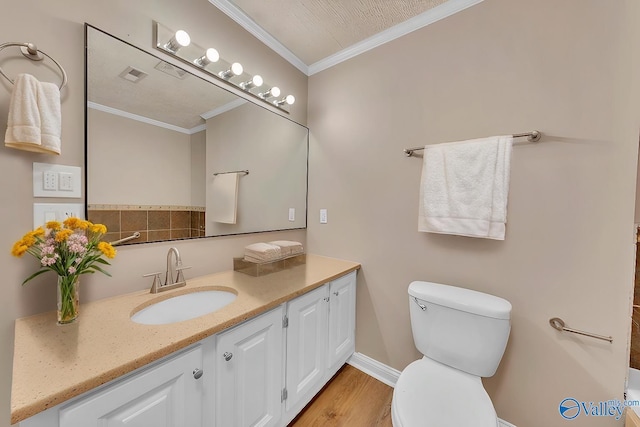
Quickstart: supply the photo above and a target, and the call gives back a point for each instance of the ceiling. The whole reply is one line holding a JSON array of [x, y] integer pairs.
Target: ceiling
[[316, 34]]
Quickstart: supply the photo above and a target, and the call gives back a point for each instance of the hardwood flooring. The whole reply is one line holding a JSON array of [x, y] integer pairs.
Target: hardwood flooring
[[351, 399]]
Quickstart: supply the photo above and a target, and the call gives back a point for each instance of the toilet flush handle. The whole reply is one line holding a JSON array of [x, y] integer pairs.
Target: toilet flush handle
[[422, 306]]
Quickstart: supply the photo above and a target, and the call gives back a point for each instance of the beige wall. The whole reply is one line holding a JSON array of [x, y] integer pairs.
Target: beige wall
[[569, 69], [131, 162], [57, 28]]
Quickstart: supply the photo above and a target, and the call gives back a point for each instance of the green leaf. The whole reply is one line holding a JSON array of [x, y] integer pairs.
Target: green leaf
[[37, 273]]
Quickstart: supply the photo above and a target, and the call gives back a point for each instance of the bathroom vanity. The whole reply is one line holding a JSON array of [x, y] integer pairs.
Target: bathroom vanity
[[256, 361]]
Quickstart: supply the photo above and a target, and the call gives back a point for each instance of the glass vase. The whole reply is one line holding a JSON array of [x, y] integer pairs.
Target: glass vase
[[68, 299]]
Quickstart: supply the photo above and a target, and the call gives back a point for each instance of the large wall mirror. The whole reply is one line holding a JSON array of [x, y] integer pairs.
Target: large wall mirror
[[172, 156]]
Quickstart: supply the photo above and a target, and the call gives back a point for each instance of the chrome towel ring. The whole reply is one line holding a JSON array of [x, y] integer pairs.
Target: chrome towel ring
[[30, 51]]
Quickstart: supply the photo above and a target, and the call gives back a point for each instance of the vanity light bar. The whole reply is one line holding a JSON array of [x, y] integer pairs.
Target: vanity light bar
[[178, 44]]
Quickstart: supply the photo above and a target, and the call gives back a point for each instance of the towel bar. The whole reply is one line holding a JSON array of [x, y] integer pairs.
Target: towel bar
[[31, 51], [126, 239], [245, 172], [558, 324], [533, 136]]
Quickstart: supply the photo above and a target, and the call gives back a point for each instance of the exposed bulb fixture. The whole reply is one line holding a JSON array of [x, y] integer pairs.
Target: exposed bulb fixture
[[256, 81], [274, 91], [211, 55], [235, 70], [180, 39], [289, 99]]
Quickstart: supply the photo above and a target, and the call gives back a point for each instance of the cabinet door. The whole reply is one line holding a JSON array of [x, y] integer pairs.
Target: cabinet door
[[249, 372], [342, 321], [307, 335], [165, 395]]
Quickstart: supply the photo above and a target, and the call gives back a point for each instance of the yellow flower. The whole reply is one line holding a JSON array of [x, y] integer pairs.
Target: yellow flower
[[18, 249], [98, 228], [38, 232], [107, 249], [63, 235], [28, 240], [54, 225], [75, 223]]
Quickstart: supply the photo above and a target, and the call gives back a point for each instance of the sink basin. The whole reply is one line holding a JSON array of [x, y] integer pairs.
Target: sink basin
[[183, 307]]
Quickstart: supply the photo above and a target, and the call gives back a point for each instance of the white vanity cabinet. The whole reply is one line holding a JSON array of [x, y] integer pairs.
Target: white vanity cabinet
[[249, 372], [320, 338], [166, 394]]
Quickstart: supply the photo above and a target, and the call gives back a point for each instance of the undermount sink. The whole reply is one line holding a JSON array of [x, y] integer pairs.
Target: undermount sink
[[183, 307]]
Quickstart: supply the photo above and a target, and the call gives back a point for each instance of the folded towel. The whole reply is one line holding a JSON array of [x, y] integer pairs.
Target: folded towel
[[262, 252], [465, 186], [224, 193], [288, 247], [34, 121]]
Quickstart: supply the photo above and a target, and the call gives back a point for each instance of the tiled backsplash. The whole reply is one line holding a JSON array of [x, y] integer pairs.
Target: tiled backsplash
[[153, 223]]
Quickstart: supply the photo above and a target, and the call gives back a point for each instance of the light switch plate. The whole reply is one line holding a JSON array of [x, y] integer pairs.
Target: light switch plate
[[51, 180], [323, 216], [45, 212], [292, 214]]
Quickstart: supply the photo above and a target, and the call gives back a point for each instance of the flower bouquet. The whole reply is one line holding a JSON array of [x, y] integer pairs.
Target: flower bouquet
[[70, 249]]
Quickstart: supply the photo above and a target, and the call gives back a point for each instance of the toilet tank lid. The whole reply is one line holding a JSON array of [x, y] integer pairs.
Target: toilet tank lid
[[461, 299]]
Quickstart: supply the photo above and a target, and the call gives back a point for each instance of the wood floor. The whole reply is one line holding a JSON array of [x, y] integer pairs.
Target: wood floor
[[351, 399]]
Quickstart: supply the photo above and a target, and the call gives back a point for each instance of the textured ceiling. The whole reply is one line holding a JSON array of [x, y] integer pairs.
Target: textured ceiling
[[316, 29]]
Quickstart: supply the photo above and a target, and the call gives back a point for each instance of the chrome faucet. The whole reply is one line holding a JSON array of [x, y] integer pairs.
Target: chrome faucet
[[174, 269]]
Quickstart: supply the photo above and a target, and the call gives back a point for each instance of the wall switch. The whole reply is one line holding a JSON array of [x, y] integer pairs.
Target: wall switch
[[65, 181], [323, 216], [51, 180], [292, 214], [45, 212]]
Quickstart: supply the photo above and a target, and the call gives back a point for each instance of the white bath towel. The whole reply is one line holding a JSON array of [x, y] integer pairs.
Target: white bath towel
[[464, 187], [34, 122], [224, 193]]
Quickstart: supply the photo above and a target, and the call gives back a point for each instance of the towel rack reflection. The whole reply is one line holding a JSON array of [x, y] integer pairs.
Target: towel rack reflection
[[126, 239], [31, 51], [558, 324], [244, 172], [533, 136]]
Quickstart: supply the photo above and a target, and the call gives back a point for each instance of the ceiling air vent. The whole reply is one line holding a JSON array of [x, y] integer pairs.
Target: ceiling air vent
[[133, 74], [167, 68]]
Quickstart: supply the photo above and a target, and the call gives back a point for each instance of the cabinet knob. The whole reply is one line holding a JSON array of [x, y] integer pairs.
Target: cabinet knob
[[336, 293], [227, 356], [197, 373], [326, 299]]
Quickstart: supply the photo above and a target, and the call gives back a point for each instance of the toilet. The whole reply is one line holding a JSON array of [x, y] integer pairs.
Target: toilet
[[462, 335]]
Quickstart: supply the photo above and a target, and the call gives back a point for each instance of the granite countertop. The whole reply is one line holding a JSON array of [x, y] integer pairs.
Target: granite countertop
[[52, 363]]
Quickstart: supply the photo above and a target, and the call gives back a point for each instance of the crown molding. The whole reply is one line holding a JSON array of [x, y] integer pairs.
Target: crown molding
[[429, 17], [235, 13], [419, 21], [142, 119], [224, 108]]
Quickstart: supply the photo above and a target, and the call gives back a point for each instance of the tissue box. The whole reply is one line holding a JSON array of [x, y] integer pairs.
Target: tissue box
[[261, 269]]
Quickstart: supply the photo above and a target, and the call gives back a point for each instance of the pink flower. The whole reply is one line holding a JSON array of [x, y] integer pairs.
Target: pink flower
[[72, 270]]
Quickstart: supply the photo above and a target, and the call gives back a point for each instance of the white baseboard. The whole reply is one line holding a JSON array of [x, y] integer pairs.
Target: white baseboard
[[386, 374]]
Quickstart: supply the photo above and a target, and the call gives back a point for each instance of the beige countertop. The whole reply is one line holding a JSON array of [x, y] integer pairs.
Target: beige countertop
[[52, 363]]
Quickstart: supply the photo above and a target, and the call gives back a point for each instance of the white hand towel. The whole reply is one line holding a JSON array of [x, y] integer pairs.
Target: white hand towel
[[224, 193], [464, 187], [34, 121], [261, 252], [288, 247]]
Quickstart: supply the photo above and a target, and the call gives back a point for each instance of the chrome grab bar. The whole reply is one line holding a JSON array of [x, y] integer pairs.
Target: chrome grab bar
[[558, 324], [126, 239]]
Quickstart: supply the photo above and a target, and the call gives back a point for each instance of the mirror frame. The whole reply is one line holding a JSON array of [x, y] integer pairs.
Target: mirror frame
[[218, 85]]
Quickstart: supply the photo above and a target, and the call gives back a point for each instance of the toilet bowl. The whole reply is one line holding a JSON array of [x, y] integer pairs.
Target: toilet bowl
[[462, 335]]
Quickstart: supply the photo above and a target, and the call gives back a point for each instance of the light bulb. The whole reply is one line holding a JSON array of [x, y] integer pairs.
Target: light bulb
[[256, 81], [180, 39], [236, 68], [211, 55], [290, 99], [275, 91]]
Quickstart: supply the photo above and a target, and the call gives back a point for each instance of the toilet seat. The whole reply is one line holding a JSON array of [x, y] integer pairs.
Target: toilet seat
[[430, 394]]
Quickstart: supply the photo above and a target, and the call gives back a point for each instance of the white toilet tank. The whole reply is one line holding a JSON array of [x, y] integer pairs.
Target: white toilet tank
[[461, 328]]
